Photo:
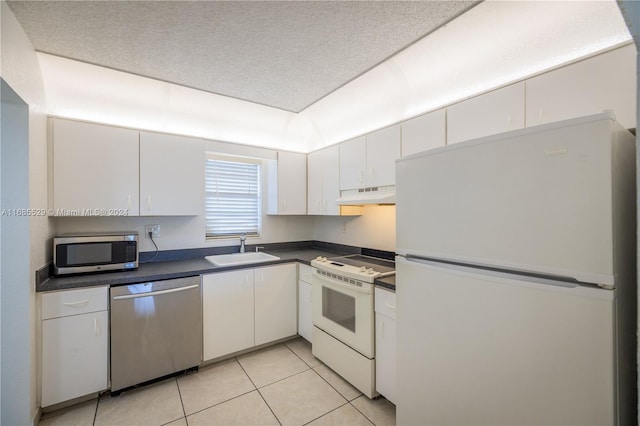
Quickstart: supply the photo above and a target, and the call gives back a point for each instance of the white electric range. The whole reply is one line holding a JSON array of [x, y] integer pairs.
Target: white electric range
[[343, 317]]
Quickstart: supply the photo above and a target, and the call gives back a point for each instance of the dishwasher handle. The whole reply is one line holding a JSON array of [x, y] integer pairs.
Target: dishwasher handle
[[155, 293]]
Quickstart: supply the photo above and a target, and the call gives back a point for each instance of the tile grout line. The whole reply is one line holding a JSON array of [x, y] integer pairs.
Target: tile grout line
[[299, 357], [328, 412], [366, 417], [181, 402], [259, 393], [95, 413], [269, 407]]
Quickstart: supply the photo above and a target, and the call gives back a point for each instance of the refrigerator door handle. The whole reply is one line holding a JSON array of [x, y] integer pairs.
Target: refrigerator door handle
[[509, 278]]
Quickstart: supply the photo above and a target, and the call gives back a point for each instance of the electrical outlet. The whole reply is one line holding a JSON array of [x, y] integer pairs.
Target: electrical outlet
[[154, 229]]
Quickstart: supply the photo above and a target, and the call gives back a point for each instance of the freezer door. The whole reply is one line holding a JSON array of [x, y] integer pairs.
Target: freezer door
[[537, 200], [479, 349]]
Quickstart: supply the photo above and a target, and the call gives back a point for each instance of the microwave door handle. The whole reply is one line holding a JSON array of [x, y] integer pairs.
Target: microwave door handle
[[154, 293]]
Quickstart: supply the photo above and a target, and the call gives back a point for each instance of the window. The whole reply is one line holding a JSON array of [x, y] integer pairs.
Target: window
[[232, 196]]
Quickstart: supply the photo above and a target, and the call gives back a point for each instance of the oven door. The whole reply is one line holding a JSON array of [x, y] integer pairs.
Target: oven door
[[344, 311]]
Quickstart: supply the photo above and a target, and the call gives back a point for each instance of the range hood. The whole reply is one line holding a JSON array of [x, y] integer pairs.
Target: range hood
[[374, 195]]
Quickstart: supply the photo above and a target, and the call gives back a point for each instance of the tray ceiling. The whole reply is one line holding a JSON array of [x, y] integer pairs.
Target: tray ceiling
[[284, 54]]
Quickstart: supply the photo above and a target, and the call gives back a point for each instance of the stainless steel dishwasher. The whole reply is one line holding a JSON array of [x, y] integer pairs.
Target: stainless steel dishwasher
[[156, 330]]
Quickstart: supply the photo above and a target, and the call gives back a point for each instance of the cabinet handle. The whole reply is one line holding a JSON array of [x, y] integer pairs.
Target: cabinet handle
[[540, 114], [129, 202], [149, 202], [76, 304], [508, 123], [96, 328], [382, 329], [284, 205], [389, 306]]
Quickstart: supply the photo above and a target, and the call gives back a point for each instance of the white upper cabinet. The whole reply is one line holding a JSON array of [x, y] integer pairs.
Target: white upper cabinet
[[171, 175], [287, 187], [324, 184], [369, 160], [604, 82], [383, 149], [495, 112], [314, 183], [353, 163], [330, 180], [95, 169], [424, 132]]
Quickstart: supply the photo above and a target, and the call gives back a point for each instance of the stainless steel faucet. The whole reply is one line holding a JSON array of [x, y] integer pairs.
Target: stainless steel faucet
[[243, 237]]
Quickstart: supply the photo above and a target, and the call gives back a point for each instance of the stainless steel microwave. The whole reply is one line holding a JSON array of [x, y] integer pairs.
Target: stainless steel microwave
[[95, 252]]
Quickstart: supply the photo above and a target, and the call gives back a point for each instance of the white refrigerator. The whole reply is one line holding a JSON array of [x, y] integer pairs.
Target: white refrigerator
[[516, 300]]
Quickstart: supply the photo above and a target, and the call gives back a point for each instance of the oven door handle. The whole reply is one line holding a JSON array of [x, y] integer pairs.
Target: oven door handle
[[339, 285]]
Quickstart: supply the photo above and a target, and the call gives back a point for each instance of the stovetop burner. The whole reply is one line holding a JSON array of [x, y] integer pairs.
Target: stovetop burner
[[364, 268], [375, 263]]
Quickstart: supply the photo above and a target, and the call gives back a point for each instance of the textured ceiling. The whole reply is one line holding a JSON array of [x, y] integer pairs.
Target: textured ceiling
[[285, 54]]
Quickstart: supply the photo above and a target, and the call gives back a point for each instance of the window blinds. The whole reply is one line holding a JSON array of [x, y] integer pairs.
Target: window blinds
[[232, 196]]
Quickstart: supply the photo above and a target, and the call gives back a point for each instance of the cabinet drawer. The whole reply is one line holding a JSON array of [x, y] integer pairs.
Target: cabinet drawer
[[304, 272], [74, 302], [385, 303]]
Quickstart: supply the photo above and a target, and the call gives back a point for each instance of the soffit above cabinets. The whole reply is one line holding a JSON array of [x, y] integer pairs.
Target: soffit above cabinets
[[284, 54]]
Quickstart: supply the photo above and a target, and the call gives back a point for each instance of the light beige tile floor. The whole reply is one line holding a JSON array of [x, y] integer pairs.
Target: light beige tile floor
[[281, 385]]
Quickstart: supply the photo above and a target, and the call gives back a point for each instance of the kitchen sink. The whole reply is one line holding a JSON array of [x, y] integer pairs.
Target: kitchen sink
[[240, 258]]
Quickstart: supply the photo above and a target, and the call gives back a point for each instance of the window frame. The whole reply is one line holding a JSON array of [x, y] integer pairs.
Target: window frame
[[215, 156]]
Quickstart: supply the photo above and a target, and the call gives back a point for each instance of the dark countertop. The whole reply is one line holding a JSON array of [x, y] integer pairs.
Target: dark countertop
[[155, 271]]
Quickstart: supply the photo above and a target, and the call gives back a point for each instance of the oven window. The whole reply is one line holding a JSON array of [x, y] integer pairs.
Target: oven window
[[339, 308]]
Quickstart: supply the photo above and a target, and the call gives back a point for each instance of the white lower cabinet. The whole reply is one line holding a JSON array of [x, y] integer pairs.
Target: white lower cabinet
[[75, 344], [275, 303], [305, 306], [385, 302], [246, 308], [227, 312]]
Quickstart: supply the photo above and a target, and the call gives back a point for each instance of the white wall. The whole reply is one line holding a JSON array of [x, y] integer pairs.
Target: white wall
[[376, 228], [21, 70]]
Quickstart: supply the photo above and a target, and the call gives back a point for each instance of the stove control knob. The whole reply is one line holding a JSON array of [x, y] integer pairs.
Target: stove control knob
[[321, 259], [363, 269], [370, 271]]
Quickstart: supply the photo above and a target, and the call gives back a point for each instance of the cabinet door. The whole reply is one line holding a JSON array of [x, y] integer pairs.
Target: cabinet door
[[95, 169], [383, 148], [171, 175], [75, 352], [288, 184], [494, 112], [386, 356], [424, 132], [314, 183], [353, 162], [227, 313], [330, 180], [305, 320], [275, 303], [604, 82]]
